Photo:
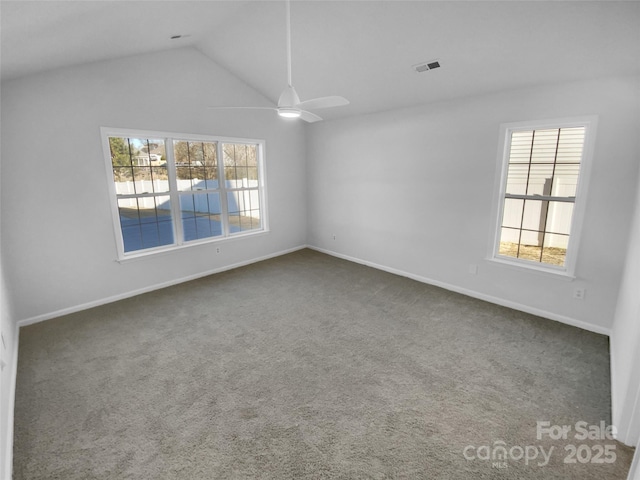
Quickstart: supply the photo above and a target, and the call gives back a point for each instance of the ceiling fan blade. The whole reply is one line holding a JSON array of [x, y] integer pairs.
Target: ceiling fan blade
[[214, 107], [309, 117], [323, 102]]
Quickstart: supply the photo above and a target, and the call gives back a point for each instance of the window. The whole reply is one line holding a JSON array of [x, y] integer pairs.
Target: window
[[172, 190], [541, 193]]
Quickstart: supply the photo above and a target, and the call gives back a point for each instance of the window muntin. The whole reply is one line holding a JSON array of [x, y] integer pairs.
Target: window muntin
[[542, 166], [168, 189]]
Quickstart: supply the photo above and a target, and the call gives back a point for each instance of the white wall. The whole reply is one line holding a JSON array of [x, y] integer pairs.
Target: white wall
[[8, 357], [7, 378], [625, 342], [383, 184], [62, 256]]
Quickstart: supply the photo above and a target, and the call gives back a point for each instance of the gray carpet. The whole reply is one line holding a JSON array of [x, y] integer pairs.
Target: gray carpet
[[305, 367]]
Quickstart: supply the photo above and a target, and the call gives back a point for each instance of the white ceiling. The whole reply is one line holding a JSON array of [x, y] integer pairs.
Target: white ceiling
[[362, 50]]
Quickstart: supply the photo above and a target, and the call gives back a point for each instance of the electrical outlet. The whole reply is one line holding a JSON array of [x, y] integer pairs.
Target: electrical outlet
[[473, 269], [217, 249], [334, 236], [579, 293]]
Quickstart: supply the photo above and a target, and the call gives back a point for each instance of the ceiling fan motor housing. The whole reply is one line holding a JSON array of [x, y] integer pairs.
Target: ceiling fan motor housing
[[288, 98]]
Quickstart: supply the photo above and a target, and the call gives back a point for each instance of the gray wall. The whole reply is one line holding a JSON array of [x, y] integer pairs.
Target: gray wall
[[62, 256], [413, 191]]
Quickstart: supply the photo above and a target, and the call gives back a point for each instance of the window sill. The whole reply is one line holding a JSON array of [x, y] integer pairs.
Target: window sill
[[159, 251], [534, 268]]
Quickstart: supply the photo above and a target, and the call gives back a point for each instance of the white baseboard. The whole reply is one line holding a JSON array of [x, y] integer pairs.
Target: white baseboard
[[472, 293], [158, 286]]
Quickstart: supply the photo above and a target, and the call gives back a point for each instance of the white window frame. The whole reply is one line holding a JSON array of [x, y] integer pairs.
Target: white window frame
[[174, 193], [589, 122]]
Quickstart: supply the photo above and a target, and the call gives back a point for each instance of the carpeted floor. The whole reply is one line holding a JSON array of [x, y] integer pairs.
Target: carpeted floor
[[308, 367]]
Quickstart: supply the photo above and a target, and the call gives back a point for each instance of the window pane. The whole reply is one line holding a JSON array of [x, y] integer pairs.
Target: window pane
[[160, 179], [196, 165], [142, 179], [244, 210], [534, 217], [530, 252], [520, 147], [540, 179], [201, 216], [210, 154], [512, 215], [520, 244], [196, 154], [198, 178], [565, 180], [240, 161], [517, 179], [235, 176], [139, 152], [252, 176], [146, 152], [145, 222], [181, 153], [559, 217], [571, 145], [555, 249], [545, 143], [123, 178], [120, 151], [211, 184], [509, 240], [183, 175], [531, 238]]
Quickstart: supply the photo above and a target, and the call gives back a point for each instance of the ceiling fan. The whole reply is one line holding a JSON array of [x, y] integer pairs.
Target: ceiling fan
[[289, 104]]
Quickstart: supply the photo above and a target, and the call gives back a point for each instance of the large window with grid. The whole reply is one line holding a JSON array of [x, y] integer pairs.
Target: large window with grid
[[173, 190], [542, 190]]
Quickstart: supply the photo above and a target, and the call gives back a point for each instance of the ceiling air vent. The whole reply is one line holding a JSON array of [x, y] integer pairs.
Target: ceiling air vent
[[426, 66]]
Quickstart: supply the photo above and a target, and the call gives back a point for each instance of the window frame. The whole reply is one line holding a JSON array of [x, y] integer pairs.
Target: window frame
[[589, 122], [174, 193]]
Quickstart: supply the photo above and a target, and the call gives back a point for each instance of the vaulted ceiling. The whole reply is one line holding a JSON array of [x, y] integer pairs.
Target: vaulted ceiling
[[362, 50]]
